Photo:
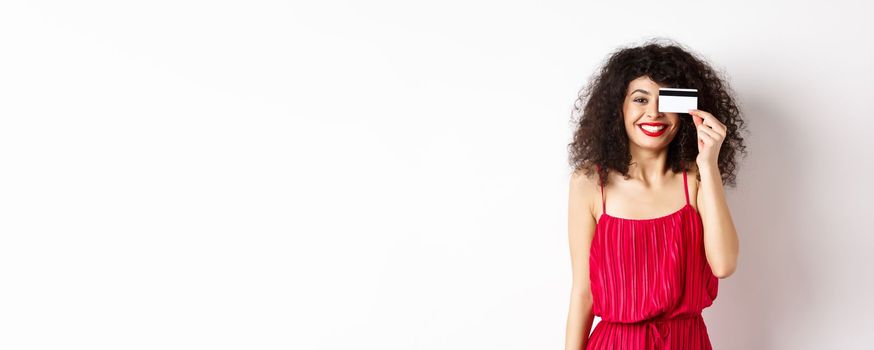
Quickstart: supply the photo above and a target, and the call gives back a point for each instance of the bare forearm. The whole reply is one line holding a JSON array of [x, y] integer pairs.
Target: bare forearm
[[720, 236], [579, 322]]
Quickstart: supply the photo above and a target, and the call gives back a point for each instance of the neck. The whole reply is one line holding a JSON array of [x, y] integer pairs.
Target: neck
[[647, 165]]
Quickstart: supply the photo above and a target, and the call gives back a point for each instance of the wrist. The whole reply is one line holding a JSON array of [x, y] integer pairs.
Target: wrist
[[707, 169]]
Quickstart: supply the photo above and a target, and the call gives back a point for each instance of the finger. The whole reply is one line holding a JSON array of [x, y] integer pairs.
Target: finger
[[716, 129], [701, 114], [705, 136], [711, 133], [698, 117], [713, 123], [709, 120], [720, 130]]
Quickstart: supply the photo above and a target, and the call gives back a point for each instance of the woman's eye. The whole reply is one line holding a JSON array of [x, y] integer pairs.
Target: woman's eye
[[640, 100]]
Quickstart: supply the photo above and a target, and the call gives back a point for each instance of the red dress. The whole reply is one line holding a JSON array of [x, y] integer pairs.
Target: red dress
[[650, 280]]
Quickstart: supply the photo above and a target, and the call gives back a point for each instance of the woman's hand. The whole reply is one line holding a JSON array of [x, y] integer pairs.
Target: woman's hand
[[711, 133]]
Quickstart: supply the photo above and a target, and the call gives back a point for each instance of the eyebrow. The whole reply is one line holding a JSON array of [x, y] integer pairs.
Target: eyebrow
[[641, 90]]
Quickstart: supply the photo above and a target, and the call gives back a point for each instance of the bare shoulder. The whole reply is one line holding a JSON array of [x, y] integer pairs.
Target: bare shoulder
[[580, 176], [583, 190]]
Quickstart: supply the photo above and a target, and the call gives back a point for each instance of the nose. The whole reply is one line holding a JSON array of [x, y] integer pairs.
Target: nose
[[653, 110]]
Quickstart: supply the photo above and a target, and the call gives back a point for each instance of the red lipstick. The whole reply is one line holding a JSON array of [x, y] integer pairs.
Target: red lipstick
[[653, 133]]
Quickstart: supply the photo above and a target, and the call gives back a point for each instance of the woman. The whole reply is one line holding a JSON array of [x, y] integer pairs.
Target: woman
[[646, 268]]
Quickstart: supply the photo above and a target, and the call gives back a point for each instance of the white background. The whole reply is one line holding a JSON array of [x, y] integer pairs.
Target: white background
[[393, 175]]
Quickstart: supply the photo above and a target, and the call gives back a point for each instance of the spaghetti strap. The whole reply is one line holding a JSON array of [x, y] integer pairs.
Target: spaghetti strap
[[600, 184], [685, 187]]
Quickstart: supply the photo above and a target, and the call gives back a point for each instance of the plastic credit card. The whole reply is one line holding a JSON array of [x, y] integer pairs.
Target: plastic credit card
[[677, 100]]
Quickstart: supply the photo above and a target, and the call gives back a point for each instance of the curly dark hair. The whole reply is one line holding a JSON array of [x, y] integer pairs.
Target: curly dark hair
[[600, 137]]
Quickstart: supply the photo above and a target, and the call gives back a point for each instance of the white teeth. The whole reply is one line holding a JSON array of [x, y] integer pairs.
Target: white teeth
[[653, 128]]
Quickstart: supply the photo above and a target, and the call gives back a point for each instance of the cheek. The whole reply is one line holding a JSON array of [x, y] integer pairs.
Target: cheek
[[630, 115], [631, 129]]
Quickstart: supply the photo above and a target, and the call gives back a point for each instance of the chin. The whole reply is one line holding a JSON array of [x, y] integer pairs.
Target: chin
[[651, 145]]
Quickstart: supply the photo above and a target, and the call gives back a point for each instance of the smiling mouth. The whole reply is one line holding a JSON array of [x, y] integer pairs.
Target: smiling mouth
[[652, 130]]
